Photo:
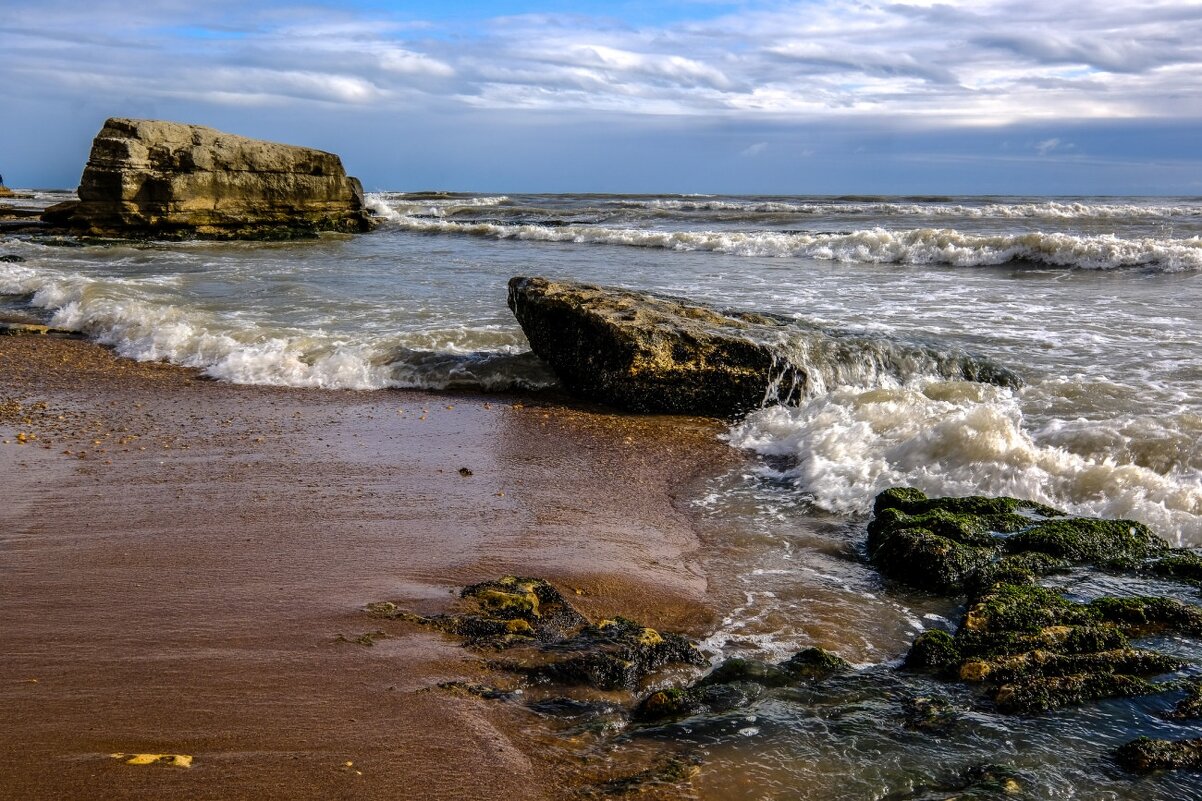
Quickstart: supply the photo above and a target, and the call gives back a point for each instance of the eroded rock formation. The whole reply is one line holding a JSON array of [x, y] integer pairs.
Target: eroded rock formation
[[650, 353], [152, 178]]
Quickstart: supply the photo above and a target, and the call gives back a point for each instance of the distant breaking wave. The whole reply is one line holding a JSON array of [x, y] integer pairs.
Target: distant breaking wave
[[922, 246], [392, 206], [1060, 210]]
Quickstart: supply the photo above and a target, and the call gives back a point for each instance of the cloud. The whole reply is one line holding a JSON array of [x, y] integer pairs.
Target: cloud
[[1046, 146], [691, 69], [989, 62]]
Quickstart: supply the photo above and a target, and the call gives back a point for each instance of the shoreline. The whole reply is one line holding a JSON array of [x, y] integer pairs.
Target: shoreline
[[183, 556]]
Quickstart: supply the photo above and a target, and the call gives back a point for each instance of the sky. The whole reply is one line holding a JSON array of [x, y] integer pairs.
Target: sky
[[759, 97]]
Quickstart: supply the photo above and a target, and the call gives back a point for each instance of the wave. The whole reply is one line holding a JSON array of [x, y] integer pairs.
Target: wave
[[958, 438], [135, 318], [395, 205], [1052, 209], [829, 358], [923, 246]]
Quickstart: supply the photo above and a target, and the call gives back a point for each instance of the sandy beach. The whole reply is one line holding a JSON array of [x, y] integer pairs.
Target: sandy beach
[[185, 561]]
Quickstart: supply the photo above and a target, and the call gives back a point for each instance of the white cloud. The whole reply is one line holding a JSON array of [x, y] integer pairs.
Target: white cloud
[[1046, 146], [957, 62], [754, 150]]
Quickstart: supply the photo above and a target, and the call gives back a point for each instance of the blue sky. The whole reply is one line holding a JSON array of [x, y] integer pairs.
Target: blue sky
[[759, 96]]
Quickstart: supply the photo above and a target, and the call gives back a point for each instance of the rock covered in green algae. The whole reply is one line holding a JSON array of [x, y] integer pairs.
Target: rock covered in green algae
[[1180, 564], [1145, 754], [736, 683], [1035, 650], [1030, 647], [949, 545], [977, 783], [930, 714], [611, 655], [552, 640], [1189, 707], [669, 771]]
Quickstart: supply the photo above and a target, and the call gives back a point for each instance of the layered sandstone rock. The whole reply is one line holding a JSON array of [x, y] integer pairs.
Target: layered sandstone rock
[[651, 353], [146, 177]]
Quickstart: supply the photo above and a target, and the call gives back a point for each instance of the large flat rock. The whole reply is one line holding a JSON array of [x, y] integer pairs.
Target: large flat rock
[[147, 177], [651, 353]]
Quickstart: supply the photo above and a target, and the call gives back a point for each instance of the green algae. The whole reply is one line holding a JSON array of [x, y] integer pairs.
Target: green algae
[[1144, 755], [1189, 707], [554, 642], [737, 683], [955, 545], [1029, 648], [1087, 539]]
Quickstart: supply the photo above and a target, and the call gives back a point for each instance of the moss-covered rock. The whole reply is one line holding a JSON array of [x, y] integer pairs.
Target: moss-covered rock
[[959, 545], [749, 670], [934, 651], [1145, 754], [550, 641], [1087, 539], [1180, 564], [815, 664], [736, 683], [1189, 707], [613, 654], [1040, 693], [913, 501], [1031, 649], [1148, 613]]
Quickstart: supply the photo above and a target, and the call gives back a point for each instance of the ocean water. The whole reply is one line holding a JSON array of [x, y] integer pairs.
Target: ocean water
[[1095, 302]]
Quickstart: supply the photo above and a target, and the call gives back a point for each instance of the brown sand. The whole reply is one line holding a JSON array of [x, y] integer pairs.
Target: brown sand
[[179, 557]]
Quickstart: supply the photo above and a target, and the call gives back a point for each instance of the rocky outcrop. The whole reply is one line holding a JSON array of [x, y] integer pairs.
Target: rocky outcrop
[[548, 641], [1029, 647], [166, 179], [652, 353]]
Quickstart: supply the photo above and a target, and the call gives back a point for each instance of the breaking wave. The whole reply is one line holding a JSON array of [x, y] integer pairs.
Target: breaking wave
[[1051, 209], [922, 246], [395, 205], [142, 324], [958, 438]]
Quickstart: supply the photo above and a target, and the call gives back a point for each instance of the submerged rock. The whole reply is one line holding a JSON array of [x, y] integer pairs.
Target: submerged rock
[[650, 353], [167, 179], [1145, 754], [545, 638], [737, 683], [1189, 707]]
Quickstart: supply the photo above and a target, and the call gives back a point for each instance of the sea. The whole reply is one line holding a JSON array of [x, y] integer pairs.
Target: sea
[[1094, 302]]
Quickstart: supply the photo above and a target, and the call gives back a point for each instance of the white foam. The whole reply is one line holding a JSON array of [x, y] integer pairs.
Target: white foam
[[1052, 209], [393, 206], [147, 326], [922, 246], [958, 439]]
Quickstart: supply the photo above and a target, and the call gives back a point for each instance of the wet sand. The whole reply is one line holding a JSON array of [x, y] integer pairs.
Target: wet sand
[[183, 562]]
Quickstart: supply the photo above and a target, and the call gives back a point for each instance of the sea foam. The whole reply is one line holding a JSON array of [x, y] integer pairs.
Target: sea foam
[[956, 438], [922, 246], [148, 326]]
